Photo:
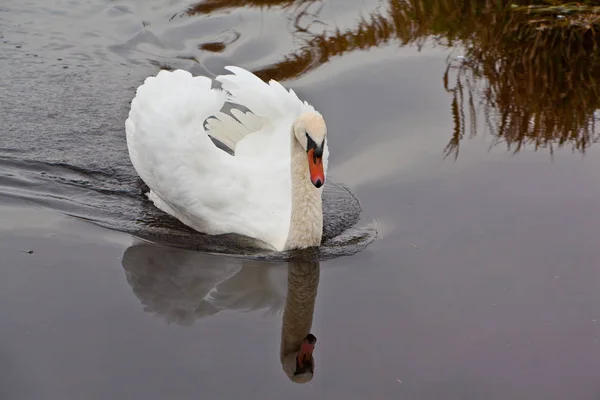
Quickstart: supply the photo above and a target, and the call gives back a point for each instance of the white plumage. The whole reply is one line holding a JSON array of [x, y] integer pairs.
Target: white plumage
[[201, 185]]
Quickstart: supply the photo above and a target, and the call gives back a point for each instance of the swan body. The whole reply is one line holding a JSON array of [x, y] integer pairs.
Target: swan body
[[270, 189]]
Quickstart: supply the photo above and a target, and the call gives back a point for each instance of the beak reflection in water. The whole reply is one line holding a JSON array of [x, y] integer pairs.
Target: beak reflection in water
[[304, 361]]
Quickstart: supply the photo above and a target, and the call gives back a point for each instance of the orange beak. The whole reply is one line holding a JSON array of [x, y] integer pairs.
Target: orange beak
[[315, 166], [306, 349]]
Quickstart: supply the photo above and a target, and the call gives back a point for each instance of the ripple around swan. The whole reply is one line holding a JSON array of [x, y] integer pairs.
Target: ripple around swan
[[116, 201]]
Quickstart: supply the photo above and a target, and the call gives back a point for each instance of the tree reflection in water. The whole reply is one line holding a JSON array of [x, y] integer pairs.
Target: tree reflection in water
[[530, 73]]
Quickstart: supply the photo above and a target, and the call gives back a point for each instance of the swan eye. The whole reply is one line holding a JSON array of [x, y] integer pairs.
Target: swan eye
[[310, 144]]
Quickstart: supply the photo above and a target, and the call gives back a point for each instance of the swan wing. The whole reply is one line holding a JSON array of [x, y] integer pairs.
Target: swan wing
[[191, 178], [267, 124]]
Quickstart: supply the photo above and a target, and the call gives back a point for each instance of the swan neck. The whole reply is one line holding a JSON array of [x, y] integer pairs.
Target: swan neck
[[306, 224], [303, 281]]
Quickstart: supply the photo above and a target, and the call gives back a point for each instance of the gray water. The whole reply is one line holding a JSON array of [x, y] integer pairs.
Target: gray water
[[483, 286]]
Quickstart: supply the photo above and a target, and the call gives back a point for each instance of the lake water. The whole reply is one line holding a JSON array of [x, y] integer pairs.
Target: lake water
[[475, 151]]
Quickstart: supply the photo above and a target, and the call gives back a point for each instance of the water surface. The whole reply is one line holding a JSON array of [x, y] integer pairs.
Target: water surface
[[475, 150]]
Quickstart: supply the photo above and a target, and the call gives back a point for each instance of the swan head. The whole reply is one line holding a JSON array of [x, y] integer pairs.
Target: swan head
[[311, 132], [299, 366]]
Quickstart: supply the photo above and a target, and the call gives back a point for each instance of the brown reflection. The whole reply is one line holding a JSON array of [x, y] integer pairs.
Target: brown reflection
[[210, 6], [213, 47], [530, 71], [370, 32], [219, 46], [184, 286], [535, 77]]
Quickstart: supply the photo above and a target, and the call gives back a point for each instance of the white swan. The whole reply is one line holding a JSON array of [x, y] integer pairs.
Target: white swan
[[269, 190]]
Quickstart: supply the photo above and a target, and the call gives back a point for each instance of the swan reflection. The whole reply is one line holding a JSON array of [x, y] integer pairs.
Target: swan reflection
[[297, 343], [183, 286]]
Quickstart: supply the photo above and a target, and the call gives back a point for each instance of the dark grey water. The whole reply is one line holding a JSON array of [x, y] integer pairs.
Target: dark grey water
[[65, 150], [483, 286]]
